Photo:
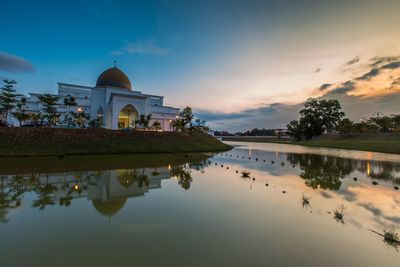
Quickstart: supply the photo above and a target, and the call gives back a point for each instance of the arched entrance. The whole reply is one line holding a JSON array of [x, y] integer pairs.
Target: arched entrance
[[126, 116]]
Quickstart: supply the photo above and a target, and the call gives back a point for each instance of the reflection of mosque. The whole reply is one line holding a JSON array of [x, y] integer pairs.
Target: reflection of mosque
[[108, 190]]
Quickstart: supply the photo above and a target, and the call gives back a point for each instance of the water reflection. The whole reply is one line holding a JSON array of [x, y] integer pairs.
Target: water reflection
[[108, 190], [327, 172], [290, 201]]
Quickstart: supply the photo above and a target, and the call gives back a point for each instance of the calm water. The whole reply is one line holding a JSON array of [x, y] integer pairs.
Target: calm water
[[188, 210]]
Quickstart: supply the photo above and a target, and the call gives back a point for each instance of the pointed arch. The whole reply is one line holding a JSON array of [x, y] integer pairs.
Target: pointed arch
[[125, 117]]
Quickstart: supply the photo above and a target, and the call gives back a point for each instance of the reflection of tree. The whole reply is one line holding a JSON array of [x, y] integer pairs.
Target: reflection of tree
[[182, 173], [381, 170], [129, 177], [45, 194], [321, 171], [9, 199]]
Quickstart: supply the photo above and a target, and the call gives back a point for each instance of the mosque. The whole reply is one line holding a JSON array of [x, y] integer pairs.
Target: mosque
[[113, 101]]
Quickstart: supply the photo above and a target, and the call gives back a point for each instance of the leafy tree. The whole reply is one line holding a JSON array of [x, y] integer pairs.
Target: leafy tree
[[7, 97], [384, 123], [183, 122], [49, 108], [186, 115], [345, 126], [295, 130], [80, 119], [157, 125], [316, 118], [20, 114], [69, 102]]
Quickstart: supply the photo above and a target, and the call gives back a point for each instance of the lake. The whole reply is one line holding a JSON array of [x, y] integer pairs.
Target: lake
[[198, 210]]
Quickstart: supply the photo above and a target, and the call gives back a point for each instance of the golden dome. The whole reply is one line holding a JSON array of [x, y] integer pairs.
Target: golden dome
[[114, 77], [108, 208]]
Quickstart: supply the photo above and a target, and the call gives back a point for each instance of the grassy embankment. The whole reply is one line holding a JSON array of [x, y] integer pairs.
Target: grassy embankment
[[50, 142], [386, 143]]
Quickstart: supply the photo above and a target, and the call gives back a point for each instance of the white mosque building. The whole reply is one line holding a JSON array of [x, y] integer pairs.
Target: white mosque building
[[112, 100]]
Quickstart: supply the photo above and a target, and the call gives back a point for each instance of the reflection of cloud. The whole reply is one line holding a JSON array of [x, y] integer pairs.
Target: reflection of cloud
[[12, 63], [148, 47], [383, 204], [325, 194]]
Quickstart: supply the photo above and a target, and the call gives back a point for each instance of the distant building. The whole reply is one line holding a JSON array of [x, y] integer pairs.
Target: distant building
[[112, 100]]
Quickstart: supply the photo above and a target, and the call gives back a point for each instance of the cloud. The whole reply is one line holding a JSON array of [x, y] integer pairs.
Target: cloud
[[148, 47], [276, 115], [353, 61], [325, 86], [370, 74], [343, 88], [395, 83], [377, 61], [13, 63]]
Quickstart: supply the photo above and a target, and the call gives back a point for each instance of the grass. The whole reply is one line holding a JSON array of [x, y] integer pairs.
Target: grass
[[61, 142], [339, 213], [385, 143]]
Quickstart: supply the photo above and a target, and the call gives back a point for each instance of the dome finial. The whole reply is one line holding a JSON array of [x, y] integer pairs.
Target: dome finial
[[115, 63]]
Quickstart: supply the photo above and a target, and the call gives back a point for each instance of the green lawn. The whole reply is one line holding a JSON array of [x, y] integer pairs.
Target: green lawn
[[48, 141]]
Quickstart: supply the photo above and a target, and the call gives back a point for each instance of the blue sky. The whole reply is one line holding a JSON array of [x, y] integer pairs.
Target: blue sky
[[239, 64]]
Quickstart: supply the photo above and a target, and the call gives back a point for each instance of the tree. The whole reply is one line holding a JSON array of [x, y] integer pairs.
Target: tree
[[80, 119], [35, 117], [69, 102], [345, 126], [295, 130], [144, 120], [49, 108], [20, 114], [7, 97], [316, 118], [135, 123], [157, 125], [186, 115], [184, 120]]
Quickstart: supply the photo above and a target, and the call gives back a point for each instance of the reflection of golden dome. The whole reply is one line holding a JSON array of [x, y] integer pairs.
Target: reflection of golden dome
[[108, 208], [114, 77]]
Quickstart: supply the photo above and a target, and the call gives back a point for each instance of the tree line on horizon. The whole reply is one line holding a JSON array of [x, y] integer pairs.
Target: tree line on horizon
[[253, 132], [319, 117]]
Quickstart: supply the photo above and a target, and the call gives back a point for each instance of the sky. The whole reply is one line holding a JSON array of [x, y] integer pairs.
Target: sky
[[238, 64]]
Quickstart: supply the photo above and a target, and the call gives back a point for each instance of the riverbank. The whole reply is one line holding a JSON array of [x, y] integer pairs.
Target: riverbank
[[384, 143], [61, 142]]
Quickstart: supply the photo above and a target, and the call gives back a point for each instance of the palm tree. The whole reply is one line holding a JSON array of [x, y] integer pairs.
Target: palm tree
[[135, 123], [35, 117]]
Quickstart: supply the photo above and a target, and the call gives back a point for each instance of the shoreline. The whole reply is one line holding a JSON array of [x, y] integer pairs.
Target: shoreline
[[382, 143]]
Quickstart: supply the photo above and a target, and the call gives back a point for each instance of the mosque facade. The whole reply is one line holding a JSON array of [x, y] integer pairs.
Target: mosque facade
[[112, 100]]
